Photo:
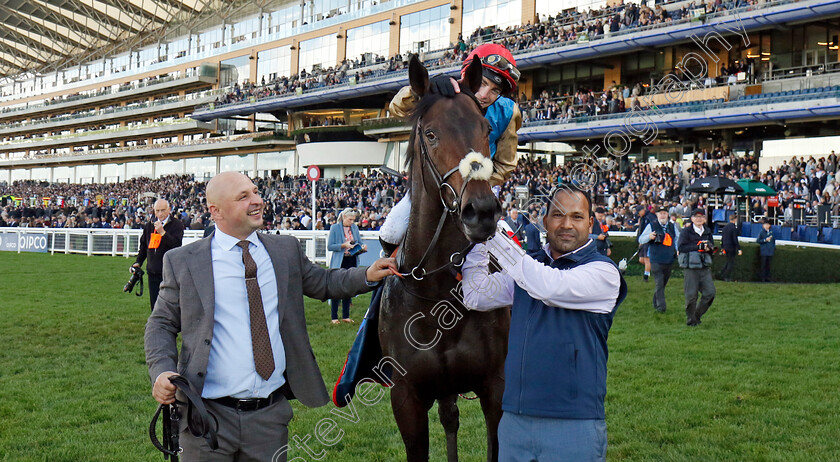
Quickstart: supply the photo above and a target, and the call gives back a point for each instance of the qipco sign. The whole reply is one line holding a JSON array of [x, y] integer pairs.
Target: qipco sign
[[31, 242]]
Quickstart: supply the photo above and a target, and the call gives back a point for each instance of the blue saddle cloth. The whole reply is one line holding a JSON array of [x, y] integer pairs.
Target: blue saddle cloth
[[364, 356]]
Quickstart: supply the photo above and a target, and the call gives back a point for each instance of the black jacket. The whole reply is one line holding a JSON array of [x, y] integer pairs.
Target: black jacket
[[729, 238], [172, 237], [690, 255]]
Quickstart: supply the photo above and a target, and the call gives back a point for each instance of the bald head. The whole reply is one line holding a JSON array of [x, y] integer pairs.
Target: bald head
[[235, 204], [162, 209], [219, 185]]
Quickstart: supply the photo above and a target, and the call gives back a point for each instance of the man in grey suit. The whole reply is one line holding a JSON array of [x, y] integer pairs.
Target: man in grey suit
[[236, 297]]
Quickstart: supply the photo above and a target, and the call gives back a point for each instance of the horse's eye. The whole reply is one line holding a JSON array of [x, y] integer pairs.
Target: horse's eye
[[430, 135]]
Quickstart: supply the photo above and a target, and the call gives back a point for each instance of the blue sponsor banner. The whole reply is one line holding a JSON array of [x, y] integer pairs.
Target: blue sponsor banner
[[14, 242]]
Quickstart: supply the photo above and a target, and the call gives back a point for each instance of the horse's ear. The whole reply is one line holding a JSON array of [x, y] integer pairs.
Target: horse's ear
[[418, 76], [473, 74]]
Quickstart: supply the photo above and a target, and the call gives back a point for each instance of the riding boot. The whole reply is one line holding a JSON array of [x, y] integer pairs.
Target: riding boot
[[388, 249]]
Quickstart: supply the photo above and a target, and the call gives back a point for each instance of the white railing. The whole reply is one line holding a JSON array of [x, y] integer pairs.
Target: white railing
[[126, 242]]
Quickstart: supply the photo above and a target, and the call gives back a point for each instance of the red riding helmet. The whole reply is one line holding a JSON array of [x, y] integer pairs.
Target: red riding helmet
[[499, 65]]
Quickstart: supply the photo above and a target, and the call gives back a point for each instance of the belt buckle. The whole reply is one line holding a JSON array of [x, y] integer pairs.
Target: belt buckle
[[248, 404]]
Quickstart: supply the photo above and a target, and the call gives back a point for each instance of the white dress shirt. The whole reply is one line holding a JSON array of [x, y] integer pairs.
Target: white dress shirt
[[230, 369], [591, 287]]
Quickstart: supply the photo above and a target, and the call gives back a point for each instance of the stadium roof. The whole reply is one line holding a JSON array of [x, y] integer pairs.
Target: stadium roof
[[42, 36]]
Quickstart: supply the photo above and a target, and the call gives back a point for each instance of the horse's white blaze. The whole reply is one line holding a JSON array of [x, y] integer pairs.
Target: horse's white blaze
[[474, 166]]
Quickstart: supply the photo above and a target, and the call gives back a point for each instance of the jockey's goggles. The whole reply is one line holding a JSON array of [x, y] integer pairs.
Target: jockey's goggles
[[499, 62]]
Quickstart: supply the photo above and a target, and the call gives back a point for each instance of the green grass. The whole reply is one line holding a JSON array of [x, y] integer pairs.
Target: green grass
[[758, 380]]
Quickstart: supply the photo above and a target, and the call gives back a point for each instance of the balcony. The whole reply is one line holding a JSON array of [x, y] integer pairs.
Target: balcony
[[146, 89]]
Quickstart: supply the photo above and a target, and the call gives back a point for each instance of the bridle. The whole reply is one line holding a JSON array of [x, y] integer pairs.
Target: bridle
[[453, 207]]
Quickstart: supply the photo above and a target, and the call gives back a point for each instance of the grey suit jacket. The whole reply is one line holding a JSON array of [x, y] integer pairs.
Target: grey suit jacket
[[186, 304]]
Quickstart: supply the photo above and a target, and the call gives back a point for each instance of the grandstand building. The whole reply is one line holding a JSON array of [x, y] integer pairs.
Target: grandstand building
[[96, 93]]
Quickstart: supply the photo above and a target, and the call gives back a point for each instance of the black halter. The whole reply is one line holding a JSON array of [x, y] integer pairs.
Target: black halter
[[449, 208]]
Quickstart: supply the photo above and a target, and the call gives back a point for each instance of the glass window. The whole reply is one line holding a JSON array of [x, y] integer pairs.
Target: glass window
[[282, 21], [545, 8], [316, 10], [111, 173], [235, 70], [202, 167], [63, 174], [244, 164], [135, 170], [368, 41], [268, 161], [274, 63], [319, 52], [87, 173], [20, 174], [169, 167], [486, 13], [42, 173], [425, 30]]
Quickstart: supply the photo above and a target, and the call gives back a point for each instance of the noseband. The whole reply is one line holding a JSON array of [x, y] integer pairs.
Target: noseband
[[474, 166]]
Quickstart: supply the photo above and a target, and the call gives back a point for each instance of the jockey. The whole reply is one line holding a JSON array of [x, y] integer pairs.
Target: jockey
[[497, 85]]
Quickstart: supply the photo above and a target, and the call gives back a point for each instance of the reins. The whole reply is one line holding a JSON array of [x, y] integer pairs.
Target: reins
[[198, 421]]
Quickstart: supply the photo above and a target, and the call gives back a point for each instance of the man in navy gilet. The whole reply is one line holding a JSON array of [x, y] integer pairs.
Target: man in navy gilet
[[563, 301], [661, 238]]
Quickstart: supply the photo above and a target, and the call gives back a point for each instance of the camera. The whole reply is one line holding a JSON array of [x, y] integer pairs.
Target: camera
[[706, 246], [136, 276], [659, 238]]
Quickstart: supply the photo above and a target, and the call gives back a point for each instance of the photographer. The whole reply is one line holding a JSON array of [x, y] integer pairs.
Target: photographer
[[160, 235], [346, 244], [695, 257], [600, 232], [730, 245], [766, 249], [662, 237]]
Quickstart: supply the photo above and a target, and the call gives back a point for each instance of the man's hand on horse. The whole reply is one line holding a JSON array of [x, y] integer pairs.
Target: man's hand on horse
[[163, 390], [444, 86], [381, 268], [504, 249]]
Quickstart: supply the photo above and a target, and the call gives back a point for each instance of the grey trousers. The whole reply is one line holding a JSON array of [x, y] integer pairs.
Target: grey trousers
[[259, 435], [661, 274], [698, 280]]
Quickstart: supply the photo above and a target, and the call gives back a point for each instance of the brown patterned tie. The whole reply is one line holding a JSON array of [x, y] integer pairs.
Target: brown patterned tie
[[260, 342]]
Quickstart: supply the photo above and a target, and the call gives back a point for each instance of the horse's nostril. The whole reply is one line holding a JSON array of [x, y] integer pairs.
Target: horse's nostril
[[468, 214]]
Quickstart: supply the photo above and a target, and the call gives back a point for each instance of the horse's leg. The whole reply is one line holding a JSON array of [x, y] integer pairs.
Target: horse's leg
[[448, 412], [412, 415], [491, 405]]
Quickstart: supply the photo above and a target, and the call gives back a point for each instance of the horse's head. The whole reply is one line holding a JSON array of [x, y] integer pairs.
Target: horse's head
[[451, 137]]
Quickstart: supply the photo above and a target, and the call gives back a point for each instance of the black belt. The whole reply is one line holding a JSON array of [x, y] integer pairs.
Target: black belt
[[250, 404]]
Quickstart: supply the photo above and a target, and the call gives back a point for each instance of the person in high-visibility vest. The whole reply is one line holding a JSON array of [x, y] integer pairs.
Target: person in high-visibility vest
[[600, 232], [662, 237]]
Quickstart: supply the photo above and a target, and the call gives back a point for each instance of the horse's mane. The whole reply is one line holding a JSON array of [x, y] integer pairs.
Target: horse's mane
[[423, 105]]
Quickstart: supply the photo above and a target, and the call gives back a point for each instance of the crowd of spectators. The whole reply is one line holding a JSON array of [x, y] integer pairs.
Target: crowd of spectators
[[128, 204], [623, 191], [569, 26]]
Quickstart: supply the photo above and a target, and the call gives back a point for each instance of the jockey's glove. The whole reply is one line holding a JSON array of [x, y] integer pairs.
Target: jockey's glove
[[442, 85]]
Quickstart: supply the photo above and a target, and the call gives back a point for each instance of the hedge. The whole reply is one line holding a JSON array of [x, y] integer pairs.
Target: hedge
[[790, 264]]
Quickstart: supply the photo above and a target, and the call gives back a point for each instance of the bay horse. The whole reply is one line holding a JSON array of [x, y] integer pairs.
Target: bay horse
[[443, 348]]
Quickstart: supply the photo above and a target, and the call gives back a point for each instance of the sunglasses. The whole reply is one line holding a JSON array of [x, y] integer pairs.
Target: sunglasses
[[501, 63]]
